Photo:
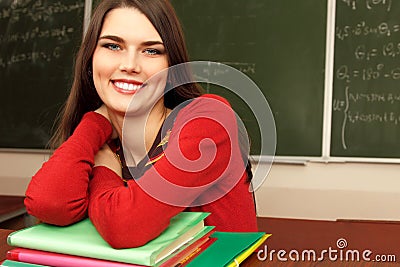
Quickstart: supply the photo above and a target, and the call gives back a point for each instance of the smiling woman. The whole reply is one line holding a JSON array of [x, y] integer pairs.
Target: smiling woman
[[178, 136]]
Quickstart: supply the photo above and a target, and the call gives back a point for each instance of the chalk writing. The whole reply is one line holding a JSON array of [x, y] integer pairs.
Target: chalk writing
[[384, 117], [31, 57], [368, 73], [390, 49], [58, 33], [369, 4], [36, 10], [374, 97], [246, 68], [363, 29]]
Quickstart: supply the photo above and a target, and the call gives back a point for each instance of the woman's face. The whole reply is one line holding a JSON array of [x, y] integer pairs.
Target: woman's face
[[129, 51]]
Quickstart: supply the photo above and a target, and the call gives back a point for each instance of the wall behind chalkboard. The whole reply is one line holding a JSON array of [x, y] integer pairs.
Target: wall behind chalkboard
[[282, 45], [37, 42]]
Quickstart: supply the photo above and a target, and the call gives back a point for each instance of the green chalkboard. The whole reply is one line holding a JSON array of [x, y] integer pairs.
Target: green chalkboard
[[38, 40], [366, 99], [280, 45]]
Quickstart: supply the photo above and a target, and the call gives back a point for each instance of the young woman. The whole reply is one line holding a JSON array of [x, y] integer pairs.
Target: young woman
[[182, 151]]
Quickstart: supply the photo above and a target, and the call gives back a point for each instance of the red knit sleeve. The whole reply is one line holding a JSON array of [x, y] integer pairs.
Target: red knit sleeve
[[57, 193], [199, 152]]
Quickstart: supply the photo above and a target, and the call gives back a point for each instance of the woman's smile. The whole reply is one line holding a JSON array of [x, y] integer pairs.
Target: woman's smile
[[127, 86]]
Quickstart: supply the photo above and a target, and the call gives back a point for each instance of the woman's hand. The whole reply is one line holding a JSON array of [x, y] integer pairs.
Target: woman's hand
[[106, 157], [102, 110]]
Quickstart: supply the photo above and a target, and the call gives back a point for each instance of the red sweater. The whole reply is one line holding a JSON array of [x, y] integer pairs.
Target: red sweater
[[67, 188]]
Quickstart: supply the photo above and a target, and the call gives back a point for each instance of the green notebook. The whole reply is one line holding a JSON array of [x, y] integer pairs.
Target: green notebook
[[82, 239], [9, 263], [226, 248]]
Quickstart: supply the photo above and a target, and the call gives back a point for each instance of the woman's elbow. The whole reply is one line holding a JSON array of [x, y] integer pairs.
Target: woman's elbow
[[120, 240], [56, 211], [126, 236]]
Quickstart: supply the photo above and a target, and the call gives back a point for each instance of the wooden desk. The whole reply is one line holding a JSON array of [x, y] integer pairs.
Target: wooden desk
[[11, 206], [381, 237], [4, 247]]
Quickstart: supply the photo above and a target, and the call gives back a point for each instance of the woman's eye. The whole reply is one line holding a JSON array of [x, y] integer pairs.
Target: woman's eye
[[113, 47], [152, 51]]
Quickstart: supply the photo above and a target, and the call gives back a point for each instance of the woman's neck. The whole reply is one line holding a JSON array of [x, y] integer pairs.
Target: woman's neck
[[138, 132]]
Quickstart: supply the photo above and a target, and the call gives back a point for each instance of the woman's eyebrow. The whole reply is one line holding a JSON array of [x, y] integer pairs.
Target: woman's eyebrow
[[149, 43], [112, 37], [120, 40]]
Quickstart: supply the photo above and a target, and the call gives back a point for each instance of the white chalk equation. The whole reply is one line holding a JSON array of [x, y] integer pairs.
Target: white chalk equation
[[369, 4], [378, 71], [32, 57], [386, 50], [206, 74], [246, 68], [36, 10], [39, 32], [363, 28]]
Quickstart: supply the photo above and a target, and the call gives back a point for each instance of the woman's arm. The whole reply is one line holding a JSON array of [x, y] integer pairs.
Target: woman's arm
[[58, 192]]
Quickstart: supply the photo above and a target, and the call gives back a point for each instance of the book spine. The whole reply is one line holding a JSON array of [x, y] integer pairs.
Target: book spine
[[200, 249], [12, 255]]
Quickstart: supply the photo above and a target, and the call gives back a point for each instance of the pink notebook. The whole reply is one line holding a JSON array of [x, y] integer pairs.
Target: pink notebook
[[60, 260]]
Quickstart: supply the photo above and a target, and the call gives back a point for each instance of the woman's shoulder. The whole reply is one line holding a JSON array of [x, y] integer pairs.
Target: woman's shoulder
[[208, 103], [208, 97], [207, 106]]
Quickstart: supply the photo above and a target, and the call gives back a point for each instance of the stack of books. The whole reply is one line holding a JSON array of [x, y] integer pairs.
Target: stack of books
[[186, 242]]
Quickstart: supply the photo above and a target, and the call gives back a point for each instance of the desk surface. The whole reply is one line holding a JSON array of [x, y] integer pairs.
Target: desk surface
[[4, 247], [10, 207]]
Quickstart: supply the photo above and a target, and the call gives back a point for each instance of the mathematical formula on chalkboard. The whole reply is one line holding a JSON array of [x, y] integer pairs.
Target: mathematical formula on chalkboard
[[369, 4]]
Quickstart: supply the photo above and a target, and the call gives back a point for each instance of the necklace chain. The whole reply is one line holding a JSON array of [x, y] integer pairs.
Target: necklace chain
[[117, 156]]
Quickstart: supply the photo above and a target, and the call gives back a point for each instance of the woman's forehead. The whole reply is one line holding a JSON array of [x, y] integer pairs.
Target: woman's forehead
[[129, 22]]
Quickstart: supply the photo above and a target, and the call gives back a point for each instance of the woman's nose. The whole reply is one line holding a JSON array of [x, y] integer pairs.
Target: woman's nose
[[130, 63]]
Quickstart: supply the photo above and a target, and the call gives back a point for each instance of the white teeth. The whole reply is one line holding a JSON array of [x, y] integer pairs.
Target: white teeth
[[127, 86]]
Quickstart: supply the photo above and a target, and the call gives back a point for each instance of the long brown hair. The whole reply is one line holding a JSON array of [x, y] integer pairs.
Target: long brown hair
[[83, 96]]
